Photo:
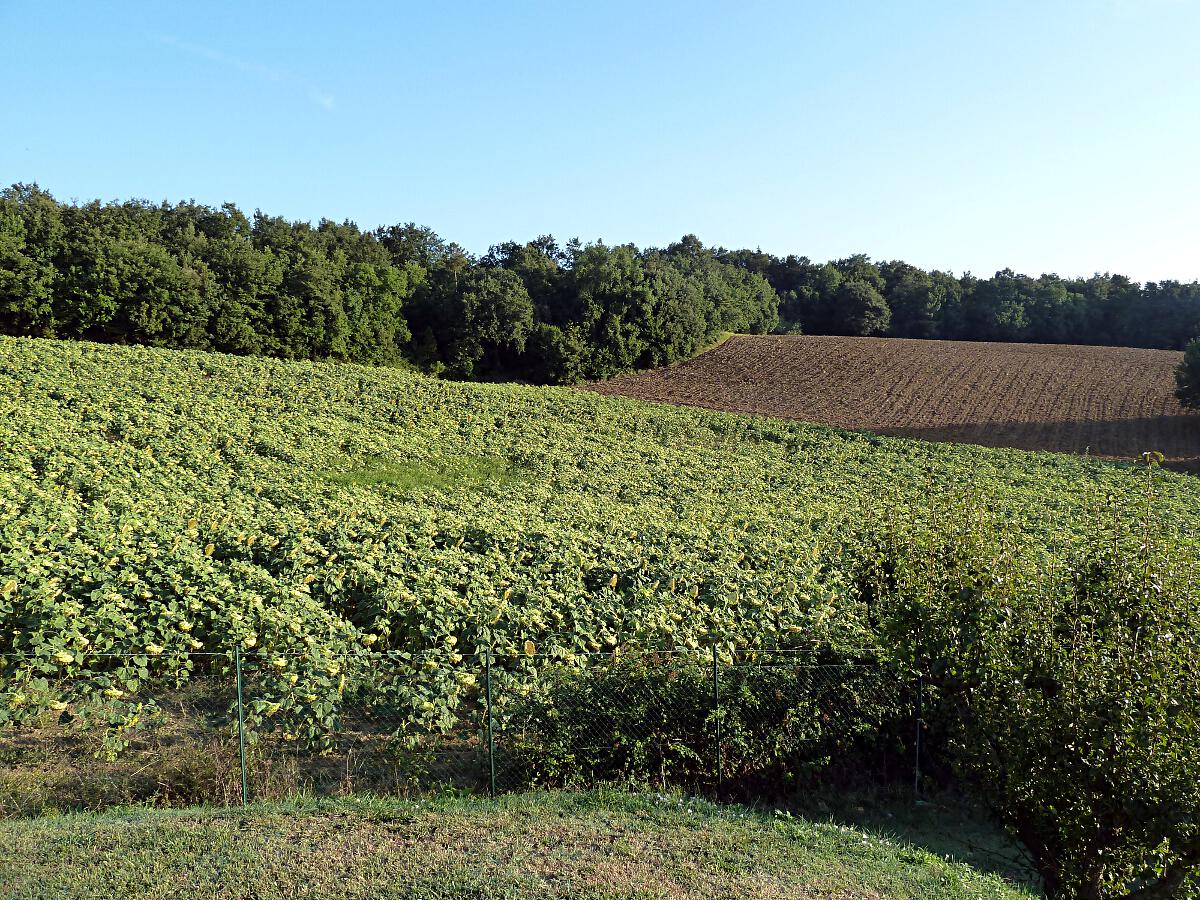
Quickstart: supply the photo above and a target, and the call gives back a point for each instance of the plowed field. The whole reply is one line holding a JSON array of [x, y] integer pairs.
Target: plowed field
[[1106, 401]]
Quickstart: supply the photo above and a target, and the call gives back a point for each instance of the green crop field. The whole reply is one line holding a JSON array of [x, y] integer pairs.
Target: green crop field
[[160, 503]]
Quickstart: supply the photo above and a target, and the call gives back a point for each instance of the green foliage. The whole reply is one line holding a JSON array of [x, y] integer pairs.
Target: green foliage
[[653, 719], [858, 308], [165, 505], [191, 276], [638, 721], [918, 299], [1103, 309], [556, 355], [1072, 690], [30, 225], [492, 320], [161, 504], [1187, 377]]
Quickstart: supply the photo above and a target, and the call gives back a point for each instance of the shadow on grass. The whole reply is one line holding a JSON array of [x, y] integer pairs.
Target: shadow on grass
[[948, 825]]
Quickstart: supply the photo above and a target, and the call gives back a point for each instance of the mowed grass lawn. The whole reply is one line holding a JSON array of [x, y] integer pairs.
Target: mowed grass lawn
[[538, 845]]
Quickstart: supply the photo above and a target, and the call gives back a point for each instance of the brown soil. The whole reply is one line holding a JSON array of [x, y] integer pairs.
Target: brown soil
[[1106, 401]]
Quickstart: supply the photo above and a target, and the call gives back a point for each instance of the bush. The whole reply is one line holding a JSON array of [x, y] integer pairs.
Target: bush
[[1187, 377], [651, 719], [1073, 696]]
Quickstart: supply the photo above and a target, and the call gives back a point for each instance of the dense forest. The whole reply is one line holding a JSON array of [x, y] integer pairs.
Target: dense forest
[[189, 275]]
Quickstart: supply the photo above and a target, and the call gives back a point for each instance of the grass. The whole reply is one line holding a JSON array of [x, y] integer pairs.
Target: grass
[[721, 337], [948, 824], [450, 473], [603, 844]]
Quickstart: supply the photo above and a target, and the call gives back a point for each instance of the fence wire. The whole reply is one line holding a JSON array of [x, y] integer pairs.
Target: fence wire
[[260, 725]]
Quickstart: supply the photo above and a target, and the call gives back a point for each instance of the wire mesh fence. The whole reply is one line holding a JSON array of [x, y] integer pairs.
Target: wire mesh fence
[[377, 731], [82, 745], [260, 725]]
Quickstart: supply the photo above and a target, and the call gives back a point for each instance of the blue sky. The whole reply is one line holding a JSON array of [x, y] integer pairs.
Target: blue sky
[[1045, 136]]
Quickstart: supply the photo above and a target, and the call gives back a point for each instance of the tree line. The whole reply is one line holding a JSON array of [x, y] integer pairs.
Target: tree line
[[192, 276], [856, 296]]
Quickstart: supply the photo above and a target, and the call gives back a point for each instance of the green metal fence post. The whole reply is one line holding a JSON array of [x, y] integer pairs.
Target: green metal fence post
[[237, 662], [917, 752], [716, 686], [491, 738]]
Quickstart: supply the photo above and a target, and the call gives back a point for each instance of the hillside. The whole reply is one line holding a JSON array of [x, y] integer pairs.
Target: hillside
[[361, 536], [1106, 401], [165, 504], [145, 484]]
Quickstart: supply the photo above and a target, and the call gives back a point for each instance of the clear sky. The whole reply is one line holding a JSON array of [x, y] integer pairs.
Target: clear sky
[[969, 136]]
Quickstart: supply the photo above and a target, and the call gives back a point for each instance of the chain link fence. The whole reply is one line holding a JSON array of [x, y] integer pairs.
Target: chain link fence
[[243, 726], [83, 743]]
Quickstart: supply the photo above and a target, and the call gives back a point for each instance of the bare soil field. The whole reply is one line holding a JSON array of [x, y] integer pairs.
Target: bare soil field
[[1106, 401]]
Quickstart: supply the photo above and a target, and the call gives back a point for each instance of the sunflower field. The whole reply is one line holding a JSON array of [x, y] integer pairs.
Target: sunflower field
[[159, 509]]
